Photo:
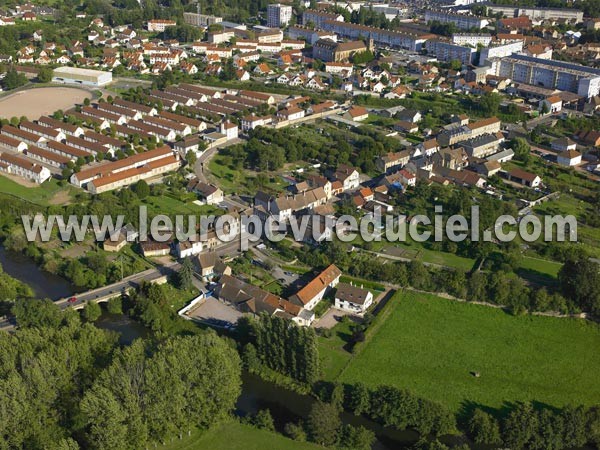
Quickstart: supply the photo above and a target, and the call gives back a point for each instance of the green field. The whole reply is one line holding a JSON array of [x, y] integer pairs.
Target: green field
[[539, 270], [40, 195], [234, 436], [166, 204], [431, 346]]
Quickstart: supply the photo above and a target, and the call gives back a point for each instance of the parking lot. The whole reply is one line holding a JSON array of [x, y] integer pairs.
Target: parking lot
[[213, 311]]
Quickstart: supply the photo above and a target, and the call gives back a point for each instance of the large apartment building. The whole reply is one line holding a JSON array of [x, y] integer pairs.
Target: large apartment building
[[459, 133], [160, 25], [500, 51], [551, 74], [537, 13], [472, 39], [318, 18], [200, 20], [278, 15], [446, 51], [462, 21], [407, 38]]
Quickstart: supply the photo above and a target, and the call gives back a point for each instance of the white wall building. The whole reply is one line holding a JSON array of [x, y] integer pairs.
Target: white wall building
[[23, 167], [278, 15], [352, 298], [499, 51], [86, 77], [551, 74], [159, 25], [472, 39]]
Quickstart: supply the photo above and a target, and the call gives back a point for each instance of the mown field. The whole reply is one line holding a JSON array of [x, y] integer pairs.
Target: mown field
[[234, 436], [432, 346]]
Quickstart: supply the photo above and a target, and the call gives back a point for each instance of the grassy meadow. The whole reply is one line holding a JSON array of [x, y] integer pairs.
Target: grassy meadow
[[433, 346], [236, 436]]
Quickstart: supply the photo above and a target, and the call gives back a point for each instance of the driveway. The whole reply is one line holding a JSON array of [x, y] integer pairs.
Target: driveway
[[212, 310], [287, 278], [331, 318]]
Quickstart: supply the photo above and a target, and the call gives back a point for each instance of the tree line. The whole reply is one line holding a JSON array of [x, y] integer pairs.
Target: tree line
[[65, 384], [281, 346], [526, 427], [575, 293]]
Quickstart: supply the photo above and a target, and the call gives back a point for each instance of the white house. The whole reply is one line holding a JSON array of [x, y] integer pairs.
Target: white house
[[357, 114], [407, 178], [352, 298], [569, 158], [552, 103], [186, 248], [348, 176], [563, 144], [229, 129]]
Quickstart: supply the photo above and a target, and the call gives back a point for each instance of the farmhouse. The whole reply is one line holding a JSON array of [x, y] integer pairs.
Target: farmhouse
[[151, 248], [315, 290], [115, 242], [185, 249], [254, 300], [210, 264], [209, 194], [563, 144], [352, 298], [357, 114]]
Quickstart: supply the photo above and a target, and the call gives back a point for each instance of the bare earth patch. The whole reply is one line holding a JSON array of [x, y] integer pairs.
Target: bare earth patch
[[22, 181], [34, 103], [60, 198]]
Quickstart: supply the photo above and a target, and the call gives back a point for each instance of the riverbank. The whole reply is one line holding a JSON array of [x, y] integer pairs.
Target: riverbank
[[24, 269]]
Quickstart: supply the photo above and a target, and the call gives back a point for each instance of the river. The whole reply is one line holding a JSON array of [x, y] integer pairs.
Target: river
[[43, 284], [128, 329], [289, 406], [285, 405]]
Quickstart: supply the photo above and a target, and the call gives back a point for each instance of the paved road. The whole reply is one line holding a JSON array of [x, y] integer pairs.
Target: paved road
[[201, 167], [121, 286]]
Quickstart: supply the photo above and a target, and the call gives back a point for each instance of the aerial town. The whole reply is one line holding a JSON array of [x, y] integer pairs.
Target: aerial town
[[472, 126]]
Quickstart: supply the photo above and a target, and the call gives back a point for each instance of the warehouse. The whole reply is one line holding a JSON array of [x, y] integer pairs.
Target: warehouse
[[85, 77]]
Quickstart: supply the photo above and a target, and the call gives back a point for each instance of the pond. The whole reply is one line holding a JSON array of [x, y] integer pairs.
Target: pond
[[43, 284]]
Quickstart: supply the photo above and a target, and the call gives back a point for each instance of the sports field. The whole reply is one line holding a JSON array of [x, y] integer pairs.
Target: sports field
[[33, 103], [234, 436], [433, 346]]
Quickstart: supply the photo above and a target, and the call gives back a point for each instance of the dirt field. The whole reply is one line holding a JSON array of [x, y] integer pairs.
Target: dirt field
[[34, 103]]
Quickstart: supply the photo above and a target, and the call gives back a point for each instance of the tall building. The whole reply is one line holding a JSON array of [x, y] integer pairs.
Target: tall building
[[462, 21], [551, 74], [278, 15], [200, 20], [445, 51]]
